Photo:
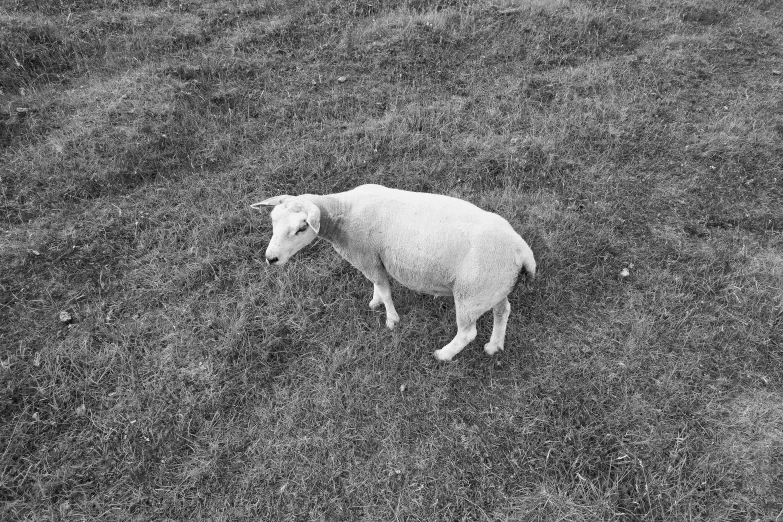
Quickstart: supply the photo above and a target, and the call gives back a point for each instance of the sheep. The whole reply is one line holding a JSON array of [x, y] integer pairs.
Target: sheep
[[429, 243]]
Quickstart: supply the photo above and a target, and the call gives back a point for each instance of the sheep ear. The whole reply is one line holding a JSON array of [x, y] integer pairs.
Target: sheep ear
[[271, 202], [314, 218]]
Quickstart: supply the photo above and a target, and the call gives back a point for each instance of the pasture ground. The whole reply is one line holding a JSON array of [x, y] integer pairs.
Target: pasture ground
[[193, 382]]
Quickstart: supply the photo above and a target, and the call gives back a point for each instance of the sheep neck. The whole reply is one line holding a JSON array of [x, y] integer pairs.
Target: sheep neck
[[332, 211]]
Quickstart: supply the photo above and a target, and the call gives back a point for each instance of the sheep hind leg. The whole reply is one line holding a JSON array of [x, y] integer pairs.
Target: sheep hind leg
[[500, 312], [466, 332]]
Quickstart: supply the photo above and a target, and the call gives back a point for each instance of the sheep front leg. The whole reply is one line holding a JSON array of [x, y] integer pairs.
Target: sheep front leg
[[381, 293], [500, 312], [376, 298]]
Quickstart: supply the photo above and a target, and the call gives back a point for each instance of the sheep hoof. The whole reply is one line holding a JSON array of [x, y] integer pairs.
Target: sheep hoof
[[391, 323], [492, 348], [443, 355]]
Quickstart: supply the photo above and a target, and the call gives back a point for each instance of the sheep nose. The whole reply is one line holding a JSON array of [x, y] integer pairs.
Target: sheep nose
[[271, 260]]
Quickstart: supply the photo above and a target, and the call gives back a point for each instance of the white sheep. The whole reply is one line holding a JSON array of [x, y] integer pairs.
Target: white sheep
[[429, 243]]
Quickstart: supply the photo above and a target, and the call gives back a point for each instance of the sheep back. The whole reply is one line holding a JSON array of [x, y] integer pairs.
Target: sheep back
[[429, 242]]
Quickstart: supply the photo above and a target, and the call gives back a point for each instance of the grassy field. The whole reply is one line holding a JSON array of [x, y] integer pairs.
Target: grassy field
[[187, 380]]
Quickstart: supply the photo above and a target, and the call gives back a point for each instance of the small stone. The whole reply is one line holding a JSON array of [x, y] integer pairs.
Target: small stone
[[65, 317], [402, 388], [342, 79], [625, 273]]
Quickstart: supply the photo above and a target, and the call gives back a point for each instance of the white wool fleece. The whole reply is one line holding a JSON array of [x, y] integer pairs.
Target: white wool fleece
[[430, 243]]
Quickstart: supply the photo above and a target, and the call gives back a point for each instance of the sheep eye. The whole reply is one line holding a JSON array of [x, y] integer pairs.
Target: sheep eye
[[302, 229]]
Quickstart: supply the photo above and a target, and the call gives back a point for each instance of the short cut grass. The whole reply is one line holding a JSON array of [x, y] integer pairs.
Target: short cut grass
[[636, 146]]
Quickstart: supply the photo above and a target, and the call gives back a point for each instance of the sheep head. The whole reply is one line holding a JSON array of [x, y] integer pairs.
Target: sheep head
[[295, 224]]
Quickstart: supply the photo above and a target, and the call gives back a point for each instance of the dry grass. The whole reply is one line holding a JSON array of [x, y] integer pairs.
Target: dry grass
[[193, 381]]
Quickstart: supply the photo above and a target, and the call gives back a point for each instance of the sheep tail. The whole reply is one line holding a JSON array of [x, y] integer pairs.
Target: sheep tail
[[529, 270], [529, 267]]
